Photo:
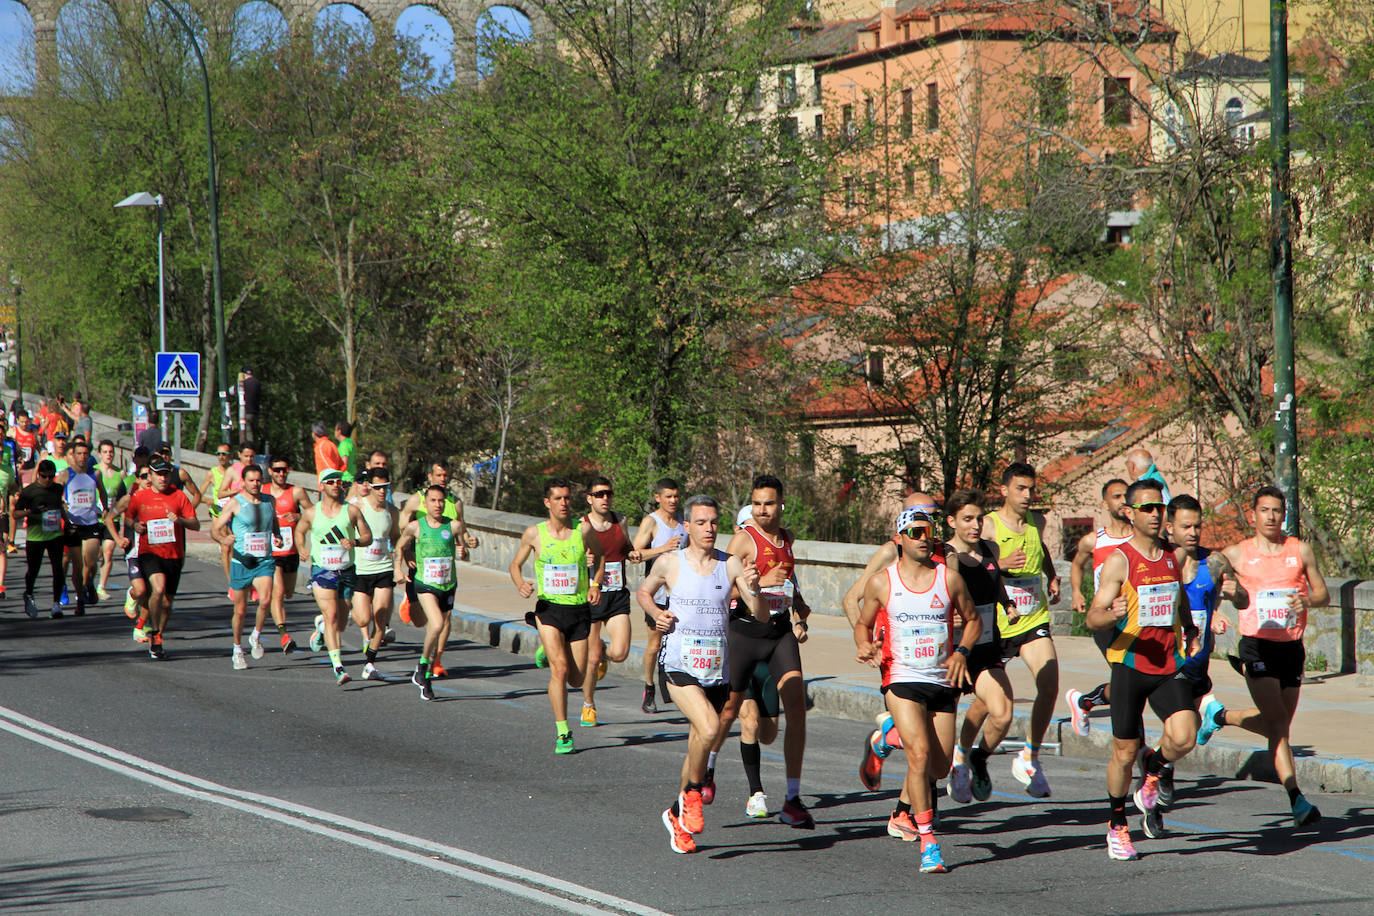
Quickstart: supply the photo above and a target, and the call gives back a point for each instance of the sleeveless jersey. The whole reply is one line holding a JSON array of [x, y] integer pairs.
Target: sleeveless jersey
[[1270, 579], [918, 630], [434, 552], [376, 557], [768, 556], [1106, 544], [1203, 594], [616, 548], [83, 500], [216, 482], [284, 503], [697, 644], [1149, 638], [662, 535], [1024, 587], [114, 483], [560, 567], [984, 581], [326, 536], [252, 527]]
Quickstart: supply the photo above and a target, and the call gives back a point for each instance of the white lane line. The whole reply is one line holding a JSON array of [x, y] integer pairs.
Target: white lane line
[[519, 881]]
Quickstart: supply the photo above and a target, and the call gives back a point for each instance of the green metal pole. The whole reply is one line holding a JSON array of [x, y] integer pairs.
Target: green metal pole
[[221, 360], [1285, 382]]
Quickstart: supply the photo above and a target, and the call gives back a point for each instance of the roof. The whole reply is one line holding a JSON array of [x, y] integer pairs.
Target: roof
[[1226, 66], [821, 40]]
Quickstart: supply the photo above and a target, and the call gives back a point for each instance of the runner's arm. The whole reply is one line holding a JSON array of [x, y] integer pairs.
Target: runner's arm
[[1082, 561], [1102, 615], [529, 542], [302, 533], [956, 666], [1317, 593], [191, 488], [187, 517], [1224, 573], [221, 523], [874, 597], [745, 577], [853, 599], [656, 579], [1047, 564], [361, 530], [595, 573], [404, 551]]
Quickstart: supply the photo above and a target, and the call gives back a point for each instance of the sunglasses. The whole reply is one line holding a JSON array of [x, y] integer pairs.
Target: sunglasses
[[42, 476], [222, 454], [143, 476], [917, 532], [1148, 507], [376, 486], [602, 494], [333, 483], [281, 470]]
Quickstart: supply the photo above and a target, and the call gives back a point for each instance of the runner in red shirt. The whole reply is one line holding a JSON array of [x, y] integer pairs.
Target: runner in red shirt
[[161, 515], [612, 612]]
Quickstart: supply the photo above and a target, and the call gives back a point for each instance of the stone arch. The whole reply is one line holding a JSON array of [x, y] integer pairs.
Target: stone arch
[[253, 25], [18, 68], [440, 48], [375, 28]]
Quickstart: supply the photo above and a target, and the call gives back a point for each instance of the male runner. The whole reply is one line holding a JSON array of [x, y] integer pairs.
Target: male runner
[[326, 535], [612, 613], [288, 501], [376, 459], [774, 641], [376, 579], [9, 490], [437, 476], [700, 581], [246, 525], [1024, 622], [179, 478], [41, 503], [26, 439], [57, 453], [660, 532], [429, 545], [116, 485], [1146, 651], [161, 515], [227, 486], [86, 501], [908, 614], [1093, 549], [567, 586], [214, 481], [343, 431], [1279, 573], [123, 534]]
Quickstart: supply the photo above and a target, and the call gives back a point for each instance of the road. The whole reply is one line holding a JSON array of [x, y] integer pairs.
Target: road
[[184, 786]]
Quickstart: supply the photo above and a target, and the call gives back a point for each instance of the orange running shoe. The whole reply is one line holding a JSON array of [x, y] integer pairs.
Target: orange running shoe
[[404, 610], [437, 670], [689, 803], [678, 839]]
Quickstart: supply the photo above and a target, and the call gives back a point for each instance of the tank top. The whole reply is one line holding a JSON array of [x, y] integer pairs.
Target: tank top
[[216, 481], [560, 567], [918, 630], [284, 503], [326, 536], [83, 500], [768, 556], [1203, 594], [375, 558], [1148, 638], [662, 535], [1024, 587], [434, 552], [1106, 544], [113, 480], [1270, 579], [616, 547], [697, 644], [984, 581], [252, 527]]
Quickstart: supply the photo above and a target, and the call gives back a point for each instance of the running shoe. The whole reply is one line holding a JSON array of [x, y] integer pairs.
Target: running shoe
[[871, 763], [1305, 814], [678, 839], [689, 803], [903, 827], [130, 604], [1119, 845], [931, 862], [648, 704], [1030, 775], [960, 783], [92, 596], [1166, 787], [416, 678], [589, 715], [427, 690], [437, 670], [140, 634], [981, 783], [11, 548], [1153, 823], [604, 665], [56, 611], [102, 593], [155, 650], [885, 725], [757, 806], [240, 660], [341, 676], [388, 636], [2, 591], [288, 645], [541, 658], [64, 600], [794, 814], [1078, 716], [317, 641], [708, 788], [563, 744], [404, 610], [253, 595], [1209, 727], [80, 608], [30, 606], [1147, 796], [255, 645], [370, 672]]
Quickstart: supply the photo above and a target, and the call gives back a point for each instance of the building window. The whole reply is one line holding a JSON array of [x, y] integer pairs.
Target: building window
[[787, 137], [847, 121], [820, 127], [754, 95], [909, 179], [806, 452], [1116, 101], [849, 462], [787, 88], [932, 106], [933, 171], [911, 459], [874, 371], [868, 109], [1052, 100], [849, 201], [815, 88], [907, 106]]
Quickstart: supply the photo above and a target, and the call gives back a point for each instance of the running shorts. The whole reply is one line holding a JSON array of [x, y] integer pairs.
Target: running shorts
[[368, 584], [334, 580], [76, 534], [445, 598], [744, 652], [288, 563], [574, 621], [132, 563], [934, 697], [987, 657], [1272, 658], [650, 622], [1103, 639], [150, 564], [241, 577], [1011, 645], [763, 690], [612, 604], [716, 694], [1131, 689]]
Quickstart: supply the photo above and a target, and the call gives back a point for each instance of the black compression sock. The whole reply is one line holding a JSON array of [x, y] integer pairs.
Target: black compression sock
[[1117, 803], [750, 756], [902, 808], [281, 629], [1095, 697], [1293, 794], [979, 756], [371, 654], [1154, 760]]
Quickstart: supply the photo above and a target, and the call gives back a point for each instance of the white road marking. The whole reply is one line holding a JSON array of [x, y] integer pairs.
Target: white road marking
[[511, 879]]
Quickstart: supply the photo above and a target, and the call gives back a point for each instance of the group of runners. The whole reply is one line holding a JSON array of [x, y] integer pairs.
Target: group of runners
[[937, 617]]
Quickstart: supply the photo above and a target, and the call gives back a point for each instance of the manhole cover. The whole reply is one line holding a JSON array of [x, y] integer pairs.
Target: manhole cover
[[146, 815]]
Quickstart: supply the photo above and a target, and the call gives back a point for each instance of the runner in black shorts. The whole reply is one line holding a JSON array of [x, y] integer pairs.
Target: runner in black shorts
[[611, 615]]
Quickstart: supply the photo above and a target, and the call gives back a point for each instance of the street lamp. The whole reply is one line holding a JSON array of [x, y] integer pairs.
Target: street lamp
[[144, 199], [18, 334]]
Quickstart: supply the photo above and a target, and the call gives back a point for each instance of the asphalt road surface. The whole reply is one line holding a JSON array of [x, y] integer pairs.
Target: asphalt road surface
[[133, 786]]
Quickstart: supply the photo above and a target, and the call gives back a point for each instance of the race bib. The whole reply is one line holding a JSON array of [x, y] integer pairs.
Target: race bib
[[82, 500], [779, 597], [52, 520], [922, 646], [1156, 604], [1024, 594], [438, 571], [255, 543], [378, 549], [1272, 610], [703, 656], [1199, 617], [283, 541], [333, 556], [224, 501], [989, 614], [161, 531], [615, 577], [560, 578]]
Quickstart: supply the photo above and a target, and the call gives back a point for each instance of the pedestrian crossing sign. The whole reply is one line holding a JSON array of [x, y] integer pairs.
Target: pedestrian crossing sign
[[178, 375]]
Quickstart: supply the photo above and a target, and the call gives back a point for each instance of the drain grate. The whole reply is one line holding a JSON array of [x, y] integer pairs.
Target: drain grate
[[141, 814]]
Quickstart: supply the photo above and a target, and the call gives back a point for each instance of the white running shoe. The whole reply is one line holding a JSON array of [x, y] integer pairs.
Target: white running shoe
[[1078, 716], [255, 645], [369, 671], [240, 660], [757, 806], [960, 784], [1030, 775]]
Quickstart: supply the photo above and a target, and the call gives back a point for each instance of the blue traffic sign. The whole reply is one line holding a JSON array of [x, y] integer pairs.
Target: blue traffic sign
[[178, 374]]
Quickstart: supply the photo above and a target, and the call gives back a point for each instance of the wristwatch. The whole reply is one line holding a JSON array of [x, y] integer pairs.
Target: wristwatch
[[962, 650]]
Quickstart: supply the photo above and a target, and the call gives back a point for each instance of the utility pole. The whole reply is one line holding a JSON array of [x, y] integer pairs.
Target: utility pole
[[1281, 259]]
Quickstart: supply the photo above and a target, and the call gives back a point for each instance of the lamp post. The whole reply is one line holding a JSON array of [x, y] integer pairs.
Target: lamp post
[[144, 199], [18, 334], [1281, 259]]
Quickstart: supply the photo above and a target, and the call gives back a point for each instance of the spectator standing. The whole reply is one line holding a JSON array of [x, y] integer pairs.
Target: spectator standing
[[326, 454]]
